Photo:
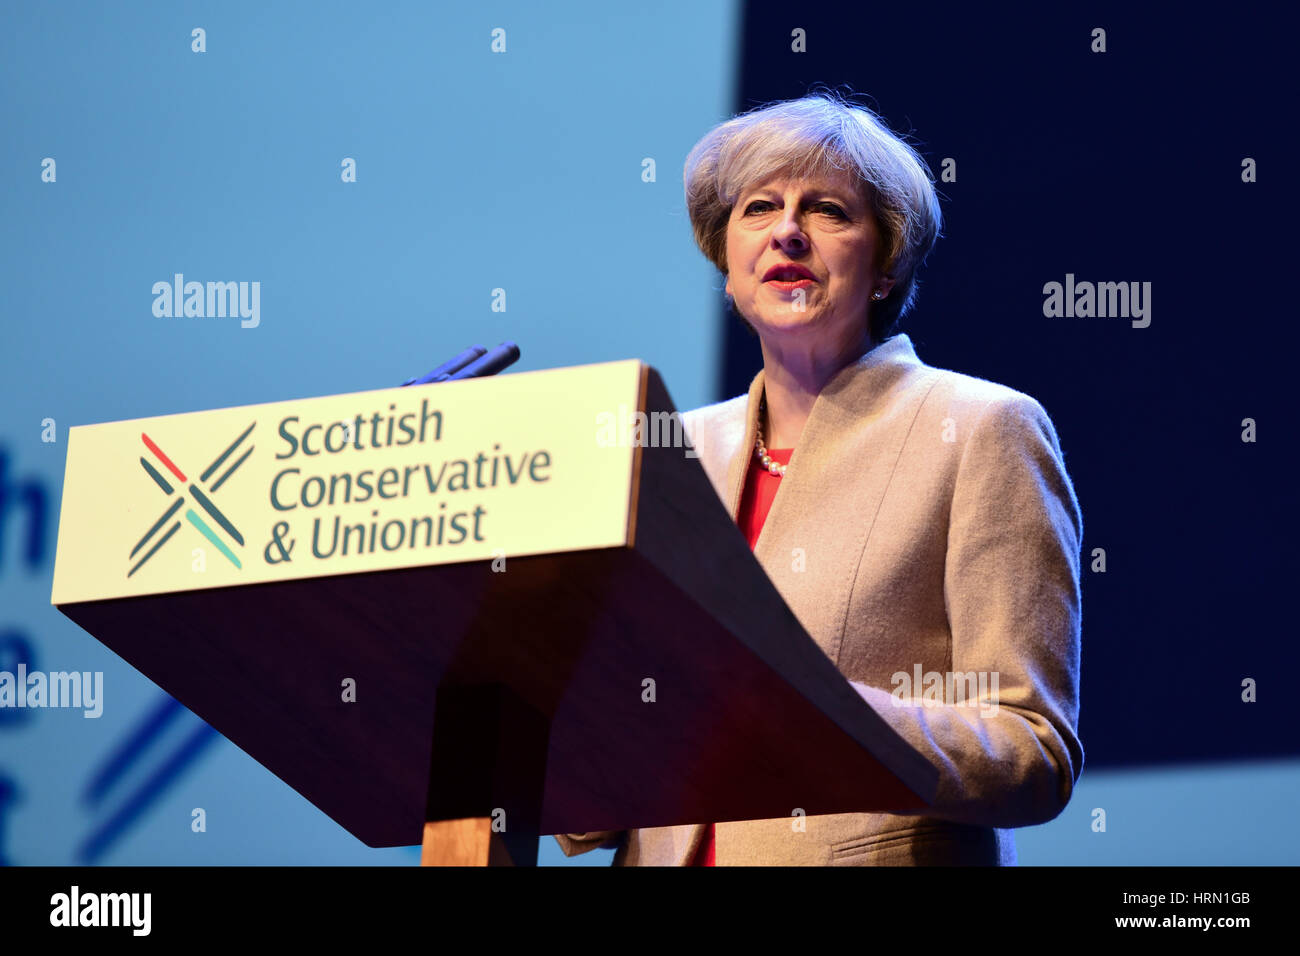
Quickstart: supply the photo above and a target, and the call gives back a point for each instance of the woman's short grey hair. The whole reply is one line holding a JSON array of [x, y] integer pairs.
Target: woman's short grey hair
[[816, 135]]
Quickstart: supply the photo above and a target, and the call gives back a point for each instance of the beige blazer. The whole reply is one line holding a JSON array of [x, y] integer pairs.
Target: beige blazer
[[925, 527]]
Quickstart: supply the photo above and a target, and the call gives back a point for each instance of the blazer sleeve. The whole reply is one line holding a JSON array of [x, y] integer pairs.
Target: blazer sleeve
[[1012, 595]]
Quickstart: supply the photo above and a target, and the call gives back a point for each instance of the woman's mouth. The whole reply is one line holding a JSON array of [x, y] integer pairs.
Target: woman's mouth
[[788, 276], [789, 285]]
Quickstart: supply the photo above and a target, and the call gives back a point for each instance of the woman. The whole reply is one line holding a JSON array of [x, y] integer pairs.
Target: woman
[[919, 522]]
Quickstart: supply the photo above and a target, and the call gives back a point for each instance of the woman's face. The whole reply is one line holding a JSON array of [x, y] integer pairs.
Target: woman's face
[[824, 227]]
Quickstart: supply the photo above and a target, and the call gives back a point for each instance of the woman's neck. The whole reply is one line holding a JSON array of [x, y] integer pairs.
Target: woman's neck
[[791, 384]]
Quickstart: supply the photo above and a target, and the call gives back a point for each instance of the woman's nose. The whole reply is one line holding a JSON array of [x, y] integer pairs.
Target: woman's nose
[[788, 232]]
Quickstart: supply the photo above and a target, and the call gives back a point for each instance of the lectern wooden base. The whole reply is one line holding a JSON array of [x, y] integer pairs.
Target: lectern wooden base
[[489, 757], [468, 842]]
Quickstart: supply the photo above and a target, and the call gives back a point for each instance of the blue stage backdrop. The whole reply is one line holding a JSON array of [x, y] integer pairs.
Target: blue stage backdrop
[[1060, 163], [517, 176], [389, 185]]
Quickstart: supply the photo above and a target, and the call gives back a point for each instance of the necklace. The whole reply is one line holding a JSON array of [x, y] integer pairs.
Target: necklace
[[774, 467]]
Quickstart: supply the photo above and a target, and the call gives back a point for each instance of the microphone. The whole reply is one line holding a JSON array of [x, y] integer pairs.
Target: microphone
[[504, 355], [474, 362], [445, 370]]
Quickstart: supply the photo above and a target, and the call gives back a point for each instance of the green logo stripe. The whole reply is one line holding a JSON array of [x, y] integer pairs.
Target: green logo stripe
[[211, 536], [217, 516]]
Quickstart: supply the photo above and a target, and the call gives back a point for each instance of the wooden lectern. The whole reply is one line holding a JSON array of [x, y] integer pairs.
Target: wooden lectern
[[483, 610]]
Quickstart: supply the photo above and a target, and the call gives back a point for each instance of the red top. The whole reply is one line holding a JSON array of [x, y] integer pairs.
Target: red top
[[760, 488]]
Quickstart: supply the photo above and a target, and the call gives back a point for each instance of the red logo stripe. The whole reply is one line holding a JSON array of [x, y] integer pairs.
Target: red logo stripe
[[163, 458]]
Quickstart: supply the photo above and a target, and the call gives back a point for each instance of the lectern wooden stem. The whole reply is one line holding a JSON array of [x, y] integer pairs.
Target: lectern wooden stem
[[486, 778]]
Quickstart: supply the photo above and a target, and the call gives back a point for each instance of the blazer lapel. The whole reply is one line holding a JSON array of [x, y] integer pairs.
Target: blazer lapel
[[738, 466], [824, 511]]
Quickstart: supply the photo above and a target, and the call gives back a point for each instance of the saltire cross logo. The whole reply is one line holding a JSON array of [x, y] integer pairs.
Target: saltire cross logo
[[203, 500]]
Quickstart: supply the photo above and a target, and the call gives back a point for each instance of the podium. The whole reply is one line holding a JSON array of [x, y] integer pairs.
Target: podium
[[468, 614]]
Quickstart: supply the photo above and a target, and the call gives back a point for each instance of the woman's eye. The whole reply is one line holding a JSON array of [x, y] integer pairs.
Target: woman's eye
[[762, 205]]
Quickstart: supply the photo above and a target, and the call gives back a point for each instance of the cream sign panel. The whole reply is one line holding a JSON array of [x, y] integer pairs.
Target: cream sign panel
[[400, 477]]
